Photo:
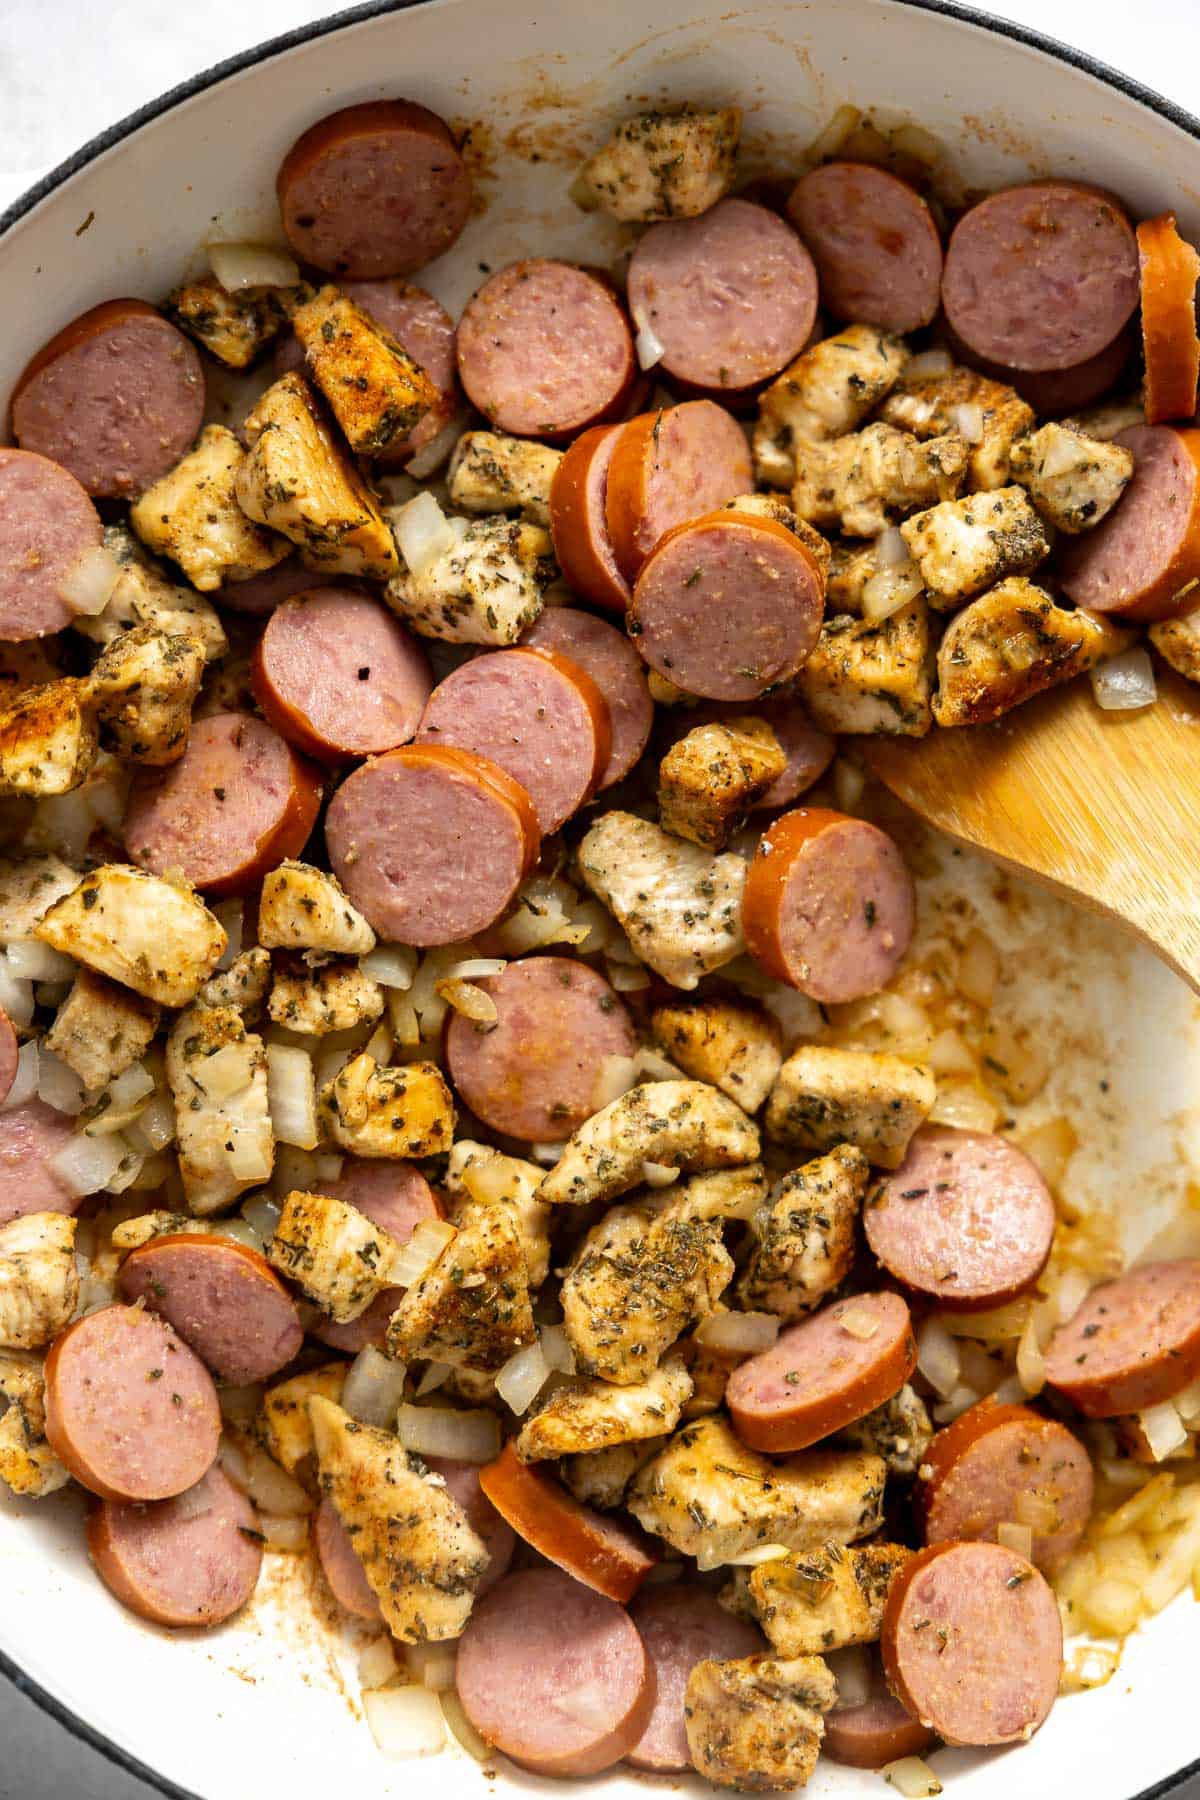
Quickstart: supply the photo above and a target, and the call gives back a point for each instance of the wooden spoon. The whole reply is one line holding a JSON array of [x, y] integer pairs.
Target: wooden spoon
[[1104, 807]]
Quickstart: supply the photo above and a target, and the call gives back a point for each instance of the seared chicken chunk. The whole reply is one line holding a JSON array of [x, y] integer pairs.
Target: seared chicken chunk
[[29, 886], [375, 390], [402, 1111], [810, 1601], [734, 1046], [297, 479], [193, 515], [662, 165], [154, 936], [233, 327], [145, 595], [602, 1477], [826, 1096], [826, 392], [1073, 480], [486, 588], [709, 780], [242, 985], [721, 1194], [334, 1252], [144, 686], [680, 906], [804, 1234], [855, 483], [478, 1172], [419, 1554], [101, 1029], [472, 1308], [333, 997], [1011, 644], [757, 1724], [583, 1414], [899, 1431], [39, 1283], [873, 679], [491, 473], [286, 1424], [131, 1234], [303, 908], [28, 1466], [964, 546], [218, 1076], [930, 404], [1178, 643], [48, 738], [682, 1124], [851, 567]]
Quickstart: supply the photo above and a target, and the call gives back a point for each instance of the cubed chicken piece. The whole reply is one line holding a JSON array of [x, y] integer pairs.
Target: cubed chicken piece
[[602, 1477], [477, 1172], [899, 1431], [39, 1283], [1011, 644], [757, 1724], [401, 1111], [662, 165], [297, 479], [232, 327], [1109, 419], [29, 886], [334, 997], [1073, 480], [338, 1256], [491, 473], [825, 1096], [828, 391], [472, 1308], [637, 1282], [680, 906], [584, 1414], [681, 1124], [145, 595], [851, 567], [243, 985], [287, 1426], [375, 390], [486, 588], [720, 1194], [193, 515], [734, 1046], [154, 936], [874, 679], [419, 1554], [856, 483], [811, 1601], [1178, 643], [303, 908], [710, 1497], [28, 1466], [990, 416], [101, 1029], [144, 686], [963, 546], [710, 779], [710, 1370], [217, 1071], [48, 738], [143, 1228], [804, 1234]]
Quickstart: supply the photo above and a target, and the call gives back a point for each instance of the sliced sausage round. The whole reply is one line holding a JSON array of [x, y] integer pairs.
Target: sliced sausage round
[[966, 1219], [1053, 392], [602, 652], [192, 1560], [47, 526], [829, 905], [1142, 560], [823, 1373], [1134, 1342], [545, 349], [341, 1565], [972, 1643], [238, 802], [554, 1676], [10, 1052], [532, 1074], [534, 713], [30, 1136], [499, 1538], [431, 843], [681, 1626], [223, 1299], [727, 605], [579, 523], [374, 190], [875, 244], [130, 1410], [598, 1552], [261, 594], [730, 295], [876, 1731], [668, 467], [1006, 1464], [395, 1196], [1169, 272], [339, 676], [1041, 276]]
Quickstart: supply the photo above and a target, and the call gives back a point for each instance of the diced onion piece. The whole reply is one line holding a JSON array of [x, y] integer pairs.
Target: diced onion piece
[[225, 1073], [292, 1096], [374, 1388], [626, 980], [549, 1154], [915, 141], [1090, 1666], [239, 265], [122, 1102], [1125, 683], [738, 1333], [1036, 1511], [913, 1778], [249, 1159], [828, 142], [967, 419], [1031, 1364], [753, 1559], [1162, 1429], [391, 965], [29, 960], [653, 1067], [859, 1322], [978, 969], [435, 1376], [1016, 1537], [1009, 1392], [961, 1398], [556, 1348], [377, 1665], [1051, 1146], [422, 1250], [475, 968], [230, 915], [25, 1081], [937, 1356], [469, 1000], [962, 1104], [271, 1488], [261, 1212], [405, 1023], [283, 1533], [659, 1175], [1070, 1294], [888, 590], [614, 1077], [890, 548], [433, 1665], [927, 363], [232, 1459], [422, 531], [1002, 1325], [649, 346], [240, 1231], [405, 1722], [154, 1127], [851, 1669], [1062, 456], [522, 1378], [86, 587], [472, 1437], [1186, 1404], [128, 1168], [462, 1728], [16, 997], [432, 455], [59, 1086], [949, 1055], [86, 1165]]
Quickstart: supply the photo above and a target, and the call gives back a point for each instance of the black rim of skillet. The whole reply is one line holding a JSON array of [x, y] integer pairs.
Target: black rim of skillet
[[247, 59]]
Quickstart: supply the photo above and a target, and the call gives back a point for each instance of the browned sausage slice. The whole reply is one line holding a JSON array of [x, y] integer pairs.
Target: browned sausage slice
[[116, 397], [532, 1074], [829, 905], [341, 1566], [1134, 1342], [9, 1055], [130, 1410], [1143, 560], [579, 523], [223, 1299], [545, 349], [47, 527], [554, 1676], [1000, 1465], [372, 190], [875, 1732], [601, 651], [966, 1219], [30, 1136], [598, 1552], [469, 833], [972, 1643], [681, 1626], [875, 244], [727, 605], [667, 467], [339, 676], [500, 1540], [193, 1560], [261, 594], [238, 801]]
